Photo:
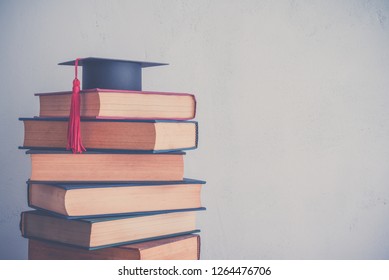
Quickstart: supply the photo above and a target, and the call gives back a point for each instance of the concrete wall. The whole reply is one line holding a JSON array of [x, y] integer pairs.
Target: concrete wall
[[292, 105]]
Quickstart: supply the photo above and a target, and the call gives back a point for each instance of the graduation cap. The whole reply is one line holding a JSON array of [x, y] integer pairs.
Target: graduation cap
[[100, 73], [112, 73]]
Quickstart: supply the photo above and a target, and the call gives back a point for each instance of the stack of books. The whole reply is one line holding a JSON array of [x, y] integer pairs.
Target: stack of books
[[126, 196]]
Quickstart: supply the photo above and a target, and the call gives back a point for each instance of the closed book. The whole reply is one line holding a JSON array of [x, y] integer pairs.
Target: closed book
[[112, 134], [75, 200], [104, 103], [109, 231], [184, 247], [48, 165]]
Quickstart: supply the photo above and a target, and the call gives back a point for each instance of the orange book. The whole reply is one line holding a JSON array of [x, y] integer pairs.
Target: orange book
[[99, 199], [112, 134], [64, 166], [185, 247], [101, 232], [103, 103]]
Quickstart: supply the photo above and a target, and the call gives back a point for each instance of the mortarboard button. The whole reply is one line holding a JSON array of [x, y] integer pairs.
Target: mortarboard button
[[112, 73]]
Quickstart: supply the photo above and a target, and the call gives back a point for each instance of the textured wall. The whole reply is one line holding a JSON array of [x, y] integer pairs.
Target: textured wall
[[293, 110]]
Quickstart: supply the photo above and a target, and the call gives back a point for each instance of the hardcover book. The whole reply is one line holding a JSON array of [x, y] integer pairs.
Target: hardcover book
[[115, 134], [109, 231], [98, 199], [125, 195], [183, 247], [48, 165], [103, 103]]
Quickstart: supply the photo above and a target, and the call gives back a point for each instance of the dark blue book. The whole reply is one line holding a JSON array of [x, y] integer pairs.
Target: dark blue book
[[153, 136], [87, 200], [95, 233]]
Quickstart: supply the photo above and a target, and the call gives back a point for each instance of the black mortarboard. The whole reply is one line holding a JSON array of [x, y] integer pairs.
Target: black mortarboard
[[112, 73]]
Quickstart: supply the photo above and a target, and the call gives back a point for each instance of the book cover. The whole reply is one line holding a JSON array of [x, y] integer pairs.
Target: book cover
[[182, 247], [108, 103], [101, 232], [153, 136], [81, 200], [113, 165]]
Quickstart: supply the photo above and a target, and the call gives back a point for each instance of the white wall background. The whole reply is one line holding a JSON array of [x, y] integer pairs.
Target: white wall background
[[292, 103]]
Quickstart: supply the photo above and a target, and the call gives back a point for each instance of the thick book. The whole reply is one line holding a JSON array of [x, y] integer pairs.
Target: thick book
[[72, 200], [119, 166], [98, 233], [103, 103], [115, 134], [184, 247]]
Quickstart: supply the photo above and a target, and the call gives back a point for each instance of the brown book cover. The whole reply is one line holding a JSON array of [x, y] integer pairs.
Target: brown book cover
[[112, 134], [103, 103], [79, 200], [64, 166], [185, 247], [102, 232]]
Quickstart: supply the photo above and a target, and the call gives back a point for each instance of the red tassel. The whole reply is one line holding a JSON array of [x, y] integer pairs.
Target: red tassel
[[74, 129]]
